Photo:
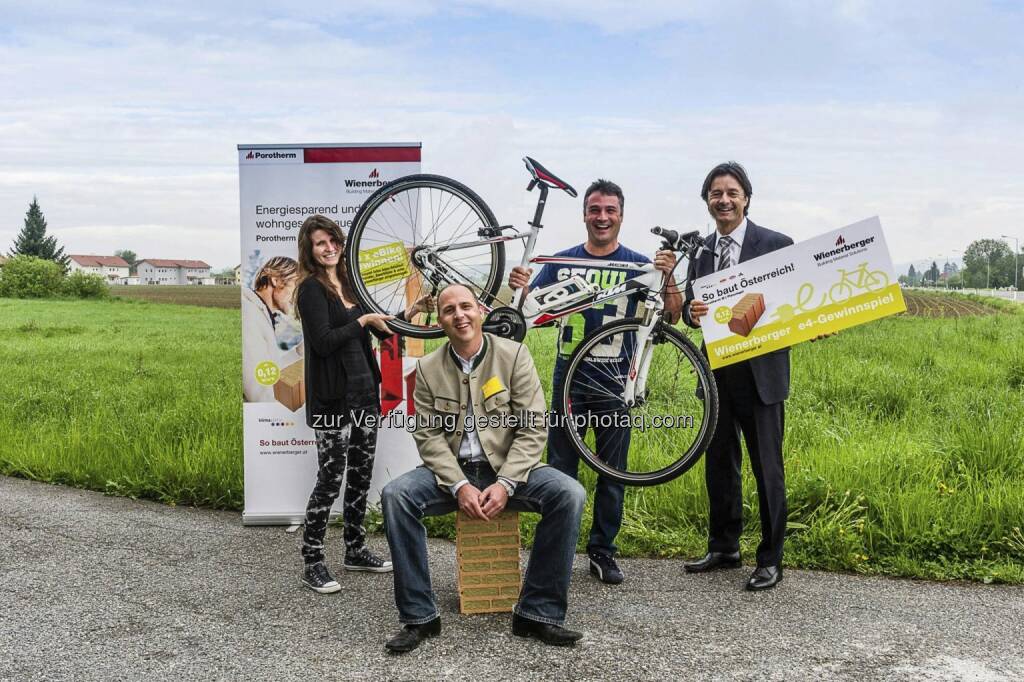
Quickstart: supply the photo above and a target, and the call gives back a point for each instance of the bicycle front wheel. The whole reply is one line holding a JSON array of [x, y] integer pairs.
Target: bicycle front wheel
[[671, 421], [414, 236]]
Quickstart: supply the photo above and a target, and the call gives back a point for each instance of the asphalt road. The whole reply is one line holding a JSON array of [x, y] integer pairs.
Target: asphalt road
[[95, 587]]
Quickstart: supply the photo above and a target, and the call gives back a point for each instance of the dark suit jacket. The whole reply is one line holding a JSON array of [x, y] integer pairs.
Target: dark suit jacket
[[771, 371], [341, 371]]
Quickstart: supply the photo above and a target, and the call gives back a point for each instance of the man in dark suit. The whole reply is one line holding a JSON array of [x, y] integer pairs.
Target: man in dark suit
[[751, 395]]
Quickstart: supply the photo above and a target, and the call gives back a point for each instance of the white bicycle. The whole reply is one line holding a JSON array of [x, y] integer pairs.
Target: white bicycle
[[421, 232]]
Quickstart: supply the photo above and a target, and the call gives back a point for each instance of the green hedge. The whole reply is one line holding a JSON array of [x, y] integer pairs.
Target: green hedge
[[31, 277]]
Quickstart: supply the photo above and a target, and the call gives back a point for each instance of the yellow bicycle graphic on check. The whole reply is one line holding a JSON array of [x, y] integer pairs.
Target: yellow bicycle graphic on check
[[860, 278], [851, 283]]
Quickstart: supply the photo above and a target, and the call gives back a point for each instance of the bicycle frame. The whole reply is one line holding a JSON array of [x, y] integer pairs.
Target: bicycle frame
[[649, 283]]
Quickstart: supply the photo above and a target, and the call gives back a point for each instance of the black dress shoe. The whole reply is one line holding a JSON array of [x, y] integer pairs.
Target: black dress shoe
[[764, 577], [549, 634], [713, 561], [411, 635]]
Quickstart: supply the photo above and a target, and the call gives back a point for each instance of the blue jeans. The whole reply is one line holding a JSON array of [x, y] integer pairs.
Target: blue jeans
[[544, 596], [612, 446]]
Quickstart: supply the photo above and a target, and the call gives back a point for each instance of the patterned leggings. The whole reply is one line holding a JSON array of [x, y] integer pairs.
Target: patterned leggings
[[349, 448]]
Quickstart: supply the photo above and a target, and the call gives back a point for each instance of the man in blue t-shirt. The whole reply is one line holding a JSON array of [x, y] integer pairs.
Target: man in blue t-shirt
[[602, 214]]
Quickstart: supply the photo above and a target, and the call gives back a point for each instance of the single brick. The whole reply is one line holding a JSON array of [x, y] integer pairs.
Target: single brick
[[486, 553], [473, 531], [290, 389], [499, 540], [504, 604], [474, 566], [481, 591], [745, 314], [510, 590]]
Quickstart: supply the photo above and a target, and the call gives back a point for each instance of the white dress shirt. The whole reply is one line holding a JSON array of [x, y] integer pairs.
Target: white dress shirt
[[470, 449], [737, 236]]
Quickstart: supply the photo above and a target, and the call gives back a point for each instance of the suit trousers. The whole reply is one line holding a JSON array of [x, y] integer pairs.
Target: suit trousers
[[762, 426]]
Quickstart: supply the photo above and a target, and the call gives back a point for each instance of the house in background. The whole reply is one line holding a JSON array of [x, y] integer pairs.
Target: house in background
[[110, 268], [229, 277], [173, 271]]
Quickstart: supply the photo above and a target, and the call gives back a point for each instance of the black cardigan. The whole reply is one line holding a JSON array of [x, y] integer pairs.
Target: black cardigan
[[341, 370]]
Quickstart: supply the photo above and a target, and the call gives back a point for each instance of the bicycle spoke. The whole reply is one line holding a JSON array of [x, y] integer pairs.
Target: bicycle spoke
[[418, 211], [649, 451]]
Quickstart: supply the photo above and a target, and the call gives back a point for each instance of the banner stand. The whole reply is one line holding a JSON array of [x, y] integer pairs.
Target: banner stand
[[280, 185]]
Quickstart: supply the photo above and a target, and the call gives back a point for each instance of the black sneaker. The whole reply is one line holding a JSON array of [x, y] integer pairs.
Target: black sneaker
[[317, 578], [604, 567], [365, 560]]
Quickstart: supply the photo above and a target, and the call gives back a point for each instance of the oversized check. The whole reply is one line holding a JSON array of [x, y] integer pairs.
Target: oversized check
[[833, 281]]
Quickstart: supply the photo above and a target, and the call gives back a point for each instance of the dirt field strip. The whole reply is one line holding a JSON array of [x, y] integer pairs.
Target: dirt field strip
[[216, 296], [927, 304]]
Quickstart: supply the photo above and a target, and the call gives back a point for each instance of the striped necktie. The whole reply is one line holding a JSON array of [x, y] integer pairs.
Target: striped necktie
[[724, 252]]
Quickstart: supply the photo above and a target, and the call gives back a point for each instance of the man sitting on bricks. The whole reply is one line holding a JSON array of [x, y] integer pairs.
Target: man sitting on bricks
[[480, 431]]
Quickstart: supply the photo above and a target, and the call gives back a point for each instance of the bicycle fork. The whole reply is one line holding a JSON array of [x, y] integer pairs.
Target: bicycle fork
[[636, 380]]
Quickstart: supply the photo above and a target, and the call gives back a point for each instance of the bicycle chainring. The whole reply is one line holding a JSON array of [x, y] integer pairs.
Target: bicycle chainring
[[506, 322]]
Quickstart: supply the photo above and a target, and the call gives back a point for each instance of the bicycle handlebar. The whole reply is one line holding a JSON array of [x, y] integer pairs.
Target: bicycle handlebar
[[688, 242]]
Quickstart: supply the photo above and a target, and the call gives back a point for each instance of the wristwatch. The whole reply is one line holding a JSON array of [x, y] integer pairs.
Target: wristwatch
[[507, 485]]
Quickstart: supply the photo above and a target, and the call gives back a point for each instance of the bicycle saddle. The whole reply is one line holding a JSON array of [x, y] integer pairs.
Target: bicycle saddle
[[542, 174]]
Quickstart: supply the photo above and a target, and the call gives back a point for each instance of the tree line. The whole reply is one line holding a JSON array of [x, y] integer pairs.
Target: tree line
[[988, 264], [33, 241], [38, 267]]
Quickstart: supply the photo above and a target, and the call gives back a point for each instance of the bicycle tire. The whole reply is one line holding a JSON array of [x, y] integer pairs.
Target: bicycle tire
[[401, 199], [840, 286], [689, 356], [876, 280]]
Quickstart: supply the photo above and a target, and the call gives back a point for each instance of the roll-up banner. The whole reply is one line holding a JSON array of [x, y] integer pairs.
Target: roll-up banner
[[279, 187]]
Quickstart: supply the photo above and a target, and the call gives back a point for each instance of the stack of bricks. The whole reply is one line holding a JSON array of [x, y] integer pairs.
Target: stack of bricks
[[488, 559], [746, 313]]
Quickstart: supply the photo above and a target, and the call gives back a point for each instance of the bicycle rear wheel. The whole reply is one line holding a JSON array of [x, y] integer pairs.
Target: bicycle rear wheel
[[400, 248], [671, 423]]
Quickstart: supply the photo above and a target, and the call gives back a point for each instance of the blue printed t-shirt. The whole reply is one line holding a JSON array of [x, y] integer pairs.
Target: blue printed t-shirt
[[578, 325]]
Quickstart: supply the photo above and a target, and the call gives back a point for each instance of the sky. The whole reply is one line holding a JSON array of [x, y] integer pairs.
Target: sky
[[124, 119]]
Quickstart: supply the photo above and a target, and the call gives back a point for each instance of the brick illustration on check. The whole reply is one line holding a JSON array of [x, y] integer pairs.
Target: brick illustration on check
[[290, 389], [745, 314]]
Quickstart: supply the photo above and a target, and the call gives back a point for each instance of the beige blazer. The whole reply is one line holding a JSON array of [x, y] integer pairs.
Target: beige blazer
[[508, 405]]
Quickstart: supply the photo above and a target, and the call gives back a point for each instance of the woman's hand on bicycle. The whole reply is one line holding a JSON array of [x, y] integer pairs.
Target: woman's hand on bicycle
[[698, 309], [422, 304], [376, 320], [519, 277], [665, 261]]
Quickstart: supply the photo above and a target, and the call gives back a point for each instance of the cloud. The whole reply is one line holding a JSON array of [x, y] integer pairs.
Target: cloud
[[124, 119]]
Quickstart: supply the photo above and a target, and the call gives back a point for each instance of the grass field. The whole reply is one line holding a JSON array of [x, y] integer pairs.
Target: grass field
[[130, 398], [903, 443], [215, 296]]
